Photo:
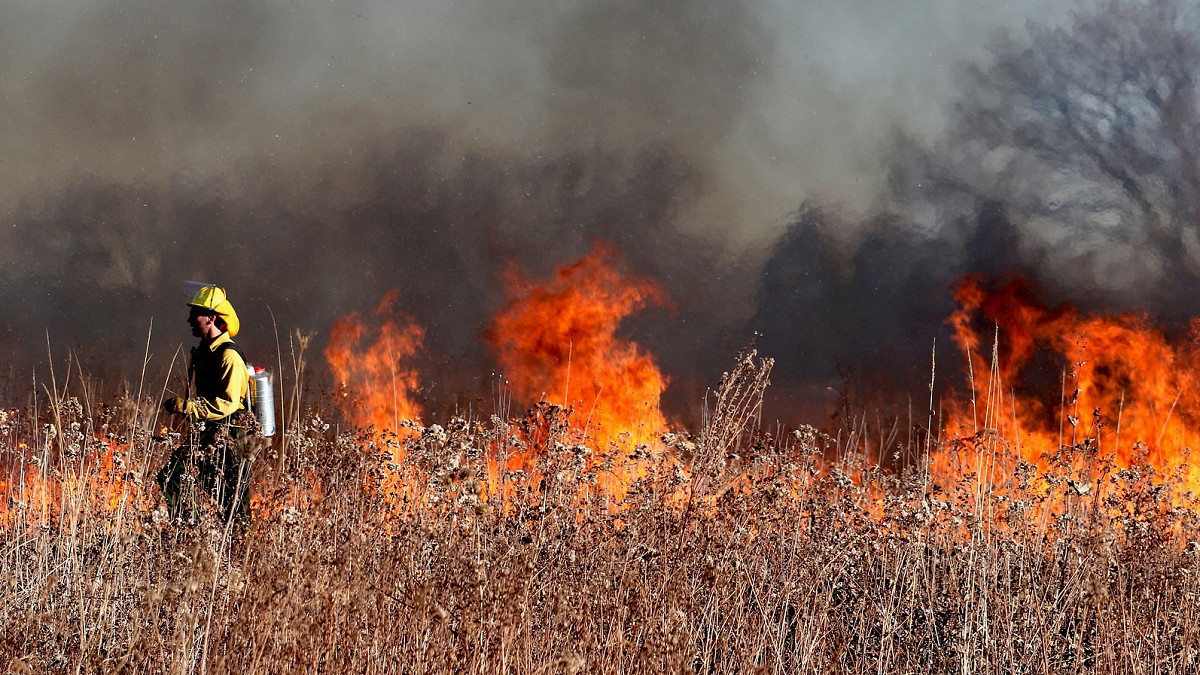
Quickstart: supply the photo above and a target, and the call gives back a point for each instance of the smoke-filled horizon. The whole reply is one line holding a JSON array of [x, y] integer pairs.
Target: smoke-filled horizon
[[817, 173]]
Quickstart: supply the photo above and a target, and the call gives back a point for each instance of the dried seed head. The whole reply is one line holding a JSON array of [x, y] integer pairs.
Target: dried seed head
[[572, 663]]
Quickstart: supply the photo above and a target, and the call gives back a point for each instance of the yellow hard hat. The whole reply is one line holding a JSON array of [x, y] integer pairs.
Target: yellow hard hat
[[213, 298]]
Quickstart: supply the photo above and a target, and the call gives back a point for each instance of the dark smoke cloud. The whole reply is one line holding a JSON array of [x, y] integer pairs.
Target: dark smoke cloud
[[443, 241], [312, 155]]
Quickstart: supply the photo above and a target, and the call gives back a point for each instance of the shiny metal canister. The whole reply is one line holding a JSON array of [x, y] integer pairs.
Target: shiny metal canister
[[262, 399]]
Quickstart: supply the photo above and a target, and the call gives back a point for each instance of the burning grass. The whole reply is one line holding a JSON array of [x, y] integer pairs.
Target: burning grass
[[730, 551], [591, 535]]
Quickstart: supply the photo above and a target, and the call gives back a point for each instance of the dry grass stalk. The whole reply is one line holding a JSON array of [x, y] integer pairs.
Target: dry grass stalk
[[797, 565]]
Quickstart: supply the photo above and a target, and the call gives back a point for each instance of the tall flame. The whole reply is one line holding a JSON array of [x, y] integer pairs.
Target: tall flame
[[1109, 385], [557, 340], [372, 364]]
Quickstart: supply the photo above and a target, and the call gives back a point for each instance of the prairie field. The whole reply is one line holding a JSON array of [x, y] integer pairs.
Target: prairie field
[[509, 544], [515, 244]]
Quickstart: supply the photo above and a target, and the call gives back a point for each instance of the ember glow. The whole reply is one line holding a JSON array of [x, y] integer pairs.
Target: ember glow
[[1058, 382]]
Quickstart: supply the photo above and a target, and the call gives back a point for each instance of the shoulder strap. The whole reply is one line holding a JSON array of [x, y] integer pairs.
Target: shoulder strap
[[233, 345], [245, 362]]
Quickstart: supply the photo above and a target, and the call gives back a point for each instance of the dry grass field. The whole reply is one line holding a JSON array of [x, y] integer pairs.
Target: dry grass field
[[512, 546]]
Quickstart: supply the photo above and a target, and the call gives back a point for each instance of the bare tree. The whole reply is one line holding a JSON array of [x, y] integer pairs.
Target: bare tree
[[1085, 137]]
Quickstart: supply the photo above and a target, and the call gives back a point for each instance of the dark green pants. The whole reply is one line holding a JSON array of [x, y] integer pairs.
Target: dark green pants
[[210, 464]]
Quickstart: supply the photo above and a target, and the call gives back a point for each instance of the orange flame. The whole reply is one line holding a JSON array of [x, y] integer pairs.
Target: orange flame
[[1090, 386], [372, 364], [558, 341], [379, 385], [95, 484]]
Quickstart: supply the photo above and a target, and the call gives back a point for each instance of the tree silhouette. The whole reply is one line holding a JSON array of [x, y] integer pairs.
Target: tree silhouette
[[1086, 136]]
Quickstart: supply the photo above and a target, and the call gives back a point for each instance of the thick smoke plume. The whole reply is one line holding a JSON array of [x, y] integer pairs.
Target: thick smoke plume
[[312, 156]]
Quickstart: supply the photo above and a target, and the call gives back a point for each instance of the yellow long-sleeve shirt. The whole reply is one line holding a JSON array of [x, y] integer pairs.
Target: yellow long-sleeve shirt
[[220, 378]]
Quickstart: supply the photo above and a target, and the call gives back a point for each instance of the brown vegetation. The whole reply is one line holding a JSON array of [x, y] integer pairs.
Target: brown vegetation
[[733, 551]]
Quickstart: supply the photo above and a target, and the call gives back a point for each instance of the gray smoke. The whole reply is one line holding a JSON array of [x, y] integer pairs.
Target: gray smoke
[[311, 155]]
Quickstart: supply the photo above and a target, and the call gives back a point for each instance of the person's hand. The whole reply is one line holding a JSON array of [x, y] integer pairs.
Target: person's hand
[[175, 405]]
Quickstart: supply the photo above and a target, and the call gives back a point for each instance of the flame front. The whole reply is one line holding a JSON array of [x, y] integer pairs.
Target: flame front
[[1060, 382]]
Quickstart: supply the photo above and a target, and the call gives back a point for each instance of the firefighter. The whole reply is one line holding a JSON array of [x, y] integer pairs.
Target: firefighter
[[218, 412]]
